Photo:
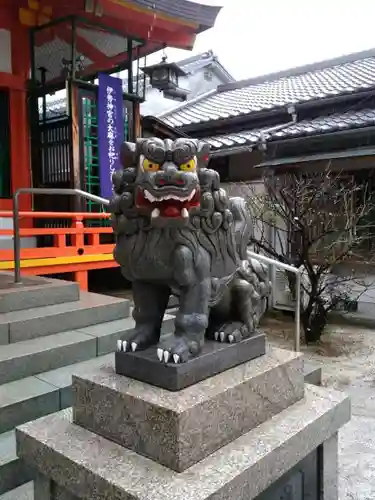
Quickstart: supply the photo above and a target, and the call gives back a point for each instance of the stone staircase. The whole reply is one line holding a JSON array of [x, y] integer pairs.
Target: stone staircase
[[48, 330]]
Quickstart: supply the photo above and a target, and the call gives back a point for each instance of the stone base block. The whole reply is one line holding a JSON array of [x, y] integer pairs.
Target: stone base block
[[90, 466], [177, 429], [214, 358]]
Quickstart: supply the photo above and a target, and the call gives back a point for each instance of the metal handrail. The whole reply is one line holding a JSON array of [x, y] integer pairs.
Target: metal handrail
[[16, 219], [297, 272], [104, 201]]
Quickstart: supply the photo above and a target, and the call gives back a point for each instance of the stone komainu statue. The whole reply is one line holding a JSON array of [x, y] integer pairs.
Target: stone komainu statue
[[178, 232]]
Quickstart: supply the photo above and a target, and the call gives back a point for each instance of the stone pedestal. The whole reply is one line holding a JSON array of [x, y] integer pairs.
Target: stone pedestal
[[256, 431]]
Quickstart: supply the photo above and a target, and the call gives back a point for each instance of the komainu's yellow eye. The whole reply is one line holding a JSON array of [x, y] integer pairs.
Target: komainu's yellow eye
[[150, 166], [189, 166]]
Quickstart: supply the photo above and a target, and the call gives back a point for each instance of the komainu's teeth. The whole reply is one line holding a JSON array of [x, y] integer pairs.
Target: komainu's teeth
[[155, 213], [222, 336], [119, 345], [134, 346], [166, 356], [184, 213], [124, 346], [160, 354], [176, 358], [192, 195], [149, 196]]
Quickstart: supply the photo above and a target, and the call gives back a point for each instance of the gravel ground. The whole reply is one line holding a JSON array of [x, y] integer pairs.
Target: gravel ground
[[347, 357]]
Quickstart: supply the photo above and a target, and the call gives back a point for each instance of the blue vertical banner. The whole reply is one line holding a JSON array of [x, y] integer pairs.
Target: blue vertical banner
[[110, 130]]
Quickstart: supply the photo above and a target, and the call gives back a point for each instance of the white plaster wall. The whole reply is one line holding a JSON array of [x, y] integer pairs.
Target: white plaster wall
[[157, 104], [6, 242], [5, 51]]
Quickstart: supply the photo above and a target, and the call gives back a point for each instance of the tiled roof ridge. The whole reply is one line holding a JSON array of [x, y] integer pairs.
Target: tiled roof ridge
[[186, 105], [299, 70], [209, 58], [208, 54], [340, 121]]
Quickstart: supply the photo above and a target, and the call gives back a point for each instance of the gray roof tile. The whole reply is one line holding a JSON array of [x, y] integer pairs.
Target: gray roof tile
[[320, 125], [328, 79], [192, 11]]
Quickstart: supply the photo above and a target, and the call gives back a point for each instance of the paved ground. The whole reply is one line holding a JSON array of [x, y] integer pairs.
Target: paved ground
[[347, 356]]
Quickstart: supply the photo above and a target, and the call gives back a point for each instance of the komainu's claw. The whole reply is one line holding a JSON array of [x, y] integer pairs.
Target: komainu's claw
[[140, 338], [231, 332], [177, 349], [176, 358]]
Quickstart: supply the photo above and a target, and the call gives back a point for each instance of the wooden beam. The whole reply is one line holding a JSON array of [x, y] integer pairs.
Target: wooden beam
[[179, 37], [83, 46], [138, 26], [137, 129], [73, 93], [116, 61]]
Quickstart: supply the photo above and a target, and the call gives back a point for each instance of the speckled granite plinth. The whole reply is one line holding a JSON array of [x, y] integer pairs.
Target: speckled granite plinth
[[177, 429], [216, 357], [250, 467]]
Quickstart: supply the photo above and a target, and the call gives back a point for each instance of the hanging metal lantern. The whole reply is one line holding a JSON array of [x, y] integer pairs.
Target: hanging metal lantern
[[164, 76]]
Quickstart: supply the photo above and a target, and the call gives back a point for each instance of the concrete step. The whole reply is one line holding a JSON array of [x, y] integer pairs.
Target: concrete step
[[48, 393], [24, 492], [25, 400], [33, 292], [32, 397], [51, 391], [42, 354], [13, 472], [16, 479], [90, 309]]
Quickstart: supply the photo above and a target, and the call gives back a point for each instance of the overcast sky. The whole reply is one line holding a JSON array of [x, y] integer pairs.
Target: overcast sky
[[257, 37]]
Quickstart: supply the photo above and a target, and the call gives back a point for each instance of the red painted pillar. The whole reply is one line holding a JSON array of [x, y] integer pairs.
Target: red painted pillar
[[20, 139]]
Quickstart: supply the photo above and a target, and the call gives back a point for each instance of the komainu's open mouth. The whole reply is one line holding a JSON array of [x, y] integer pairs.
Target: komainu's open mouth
[[168, 205]]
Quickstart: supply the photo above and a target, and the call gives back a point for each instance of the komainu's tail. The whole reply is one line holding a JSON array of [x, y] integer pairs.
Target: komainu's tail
[[242, 225]]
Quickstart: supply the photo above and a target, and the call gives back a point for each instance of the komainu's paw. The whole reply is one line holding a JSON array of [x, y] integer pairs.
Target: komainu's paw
[[177, 349], [139, 339], [231, 332]]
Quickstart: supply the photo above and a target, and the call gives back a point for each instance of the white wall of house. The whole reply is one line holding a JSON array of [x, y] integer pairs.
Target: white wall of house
[[197, 83]]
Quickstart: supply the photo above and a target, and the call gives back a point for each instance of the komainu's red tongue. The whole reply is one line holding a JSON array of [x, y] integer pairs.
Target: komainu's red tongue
[[172, 211]]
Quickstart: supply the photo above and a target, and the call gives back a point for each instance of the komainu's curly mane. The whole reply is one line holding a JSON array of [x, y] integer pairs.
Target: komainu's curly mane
[[209, 225]]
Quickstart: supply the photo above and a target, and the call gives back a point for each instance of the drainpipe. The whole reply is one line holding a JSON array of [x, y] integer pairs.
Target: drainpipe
[[262, 145]]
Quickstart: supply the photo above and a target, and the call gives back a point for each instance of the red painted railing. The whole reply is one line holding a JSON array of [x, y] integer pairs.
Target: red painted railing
[[75, 249]]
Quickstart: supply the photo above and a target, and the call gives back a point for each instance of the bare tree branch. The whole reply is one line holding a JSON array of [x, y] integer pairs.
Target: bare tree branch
[[316, 221]]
